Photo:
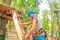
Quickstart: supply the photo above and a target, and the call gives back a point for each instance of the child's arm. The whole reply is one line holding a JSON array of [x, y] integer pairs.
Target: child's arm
[[32, 29], [22, 24]]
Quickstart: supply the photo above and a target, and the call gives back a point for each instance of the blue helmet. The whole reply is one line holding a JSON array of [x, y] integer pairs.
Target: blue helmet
[[30, 12]]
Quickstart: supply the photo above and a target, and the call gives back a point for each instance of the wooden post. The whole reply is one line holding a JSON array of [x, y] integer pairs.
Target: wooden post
[[16, 22]]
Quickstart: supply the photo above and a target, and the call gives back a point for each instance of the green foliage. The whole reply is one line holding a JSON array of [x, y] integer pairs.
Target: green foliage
[[45, 21], [24, 6], [0, 1], [58, 34], [50, 25]]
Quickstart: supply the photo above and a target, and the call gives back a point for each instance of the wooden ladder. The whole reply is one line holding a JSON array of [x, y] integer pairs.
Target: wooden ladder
[[21, 31], [11, 33]]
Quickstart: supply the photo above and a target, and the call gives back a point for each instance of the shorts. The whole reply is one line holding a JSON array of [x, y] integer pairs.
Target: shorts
[[39, 35]]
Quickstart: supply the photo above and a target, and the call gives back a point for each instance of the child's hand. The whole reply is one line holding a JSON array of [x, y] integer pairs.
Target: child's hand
[[21, 25]]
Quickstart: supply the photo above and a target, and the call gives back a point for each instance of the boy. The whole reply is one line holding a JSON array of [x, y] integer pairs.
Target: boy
[[36, 26]]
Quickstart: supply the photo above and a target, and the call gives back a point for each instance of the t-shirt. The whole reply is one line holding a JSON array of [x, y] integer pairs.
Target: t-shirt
[[38, 24]]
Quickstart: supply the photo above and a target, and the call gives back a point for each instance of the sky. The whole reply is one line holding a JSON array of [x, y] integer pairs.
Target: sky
[[43, 6]]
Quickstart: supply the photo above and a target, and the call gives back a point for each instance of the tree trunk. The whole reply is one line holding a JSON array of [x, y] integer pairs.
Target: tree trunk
[[3, 23]]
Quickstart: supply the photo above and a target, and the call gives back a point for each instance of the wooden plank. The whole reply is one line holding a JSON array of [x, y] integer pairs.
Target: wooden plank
[[17, 26], [5, 8], [8, 9], [5, 16]]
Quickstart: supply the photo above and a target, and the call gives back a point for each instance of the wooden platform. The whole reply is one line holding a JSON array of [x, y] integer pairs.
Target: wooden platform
[[6, 12]]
